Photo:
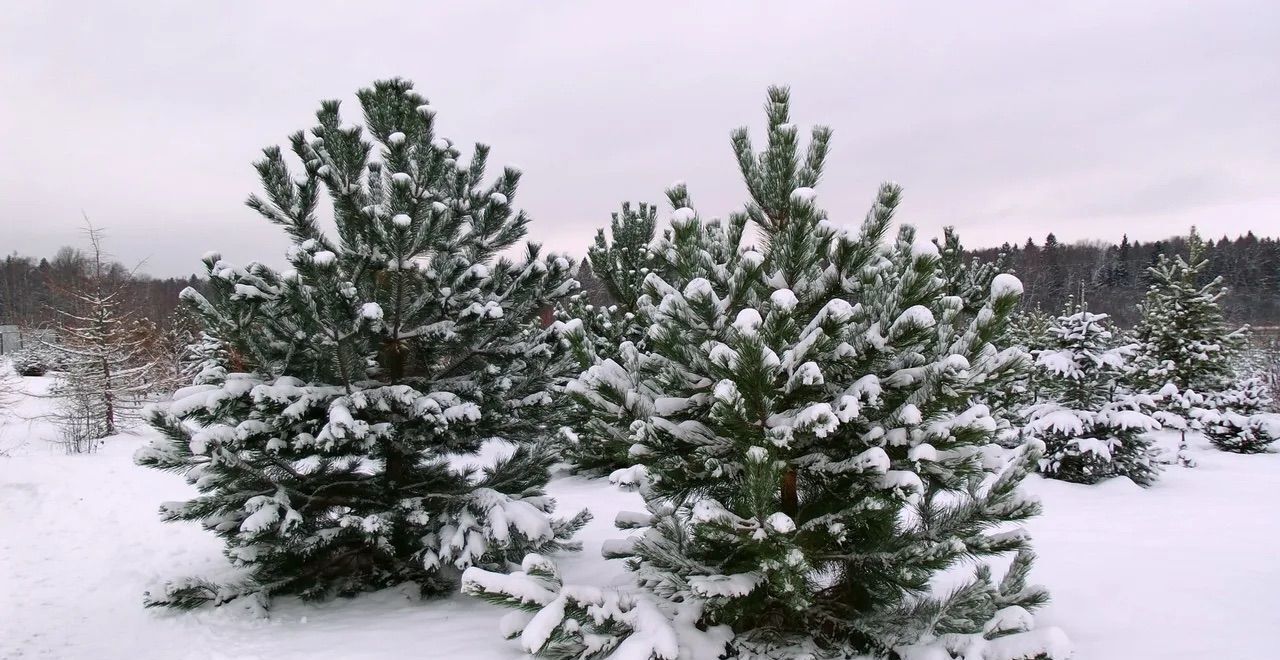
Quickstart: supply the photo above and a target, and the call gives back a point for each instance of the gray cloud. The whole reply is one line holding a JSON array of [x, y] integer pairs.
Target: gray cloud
[[1006, 119]]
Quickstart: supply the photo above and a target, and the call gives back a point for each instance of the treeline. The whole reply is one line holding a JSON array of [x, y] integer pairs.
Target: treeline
[[31, 290], [1113, 277]]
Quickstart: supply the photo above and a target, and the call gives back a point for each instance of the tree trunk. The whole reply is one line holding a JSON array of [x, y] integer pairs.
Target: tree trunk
[[393, 359], [790, 499], [108, 399]]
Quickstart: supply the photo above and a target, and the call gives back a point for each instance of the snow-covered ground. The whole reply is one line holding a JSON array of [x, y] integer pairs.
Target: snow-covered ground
[[1186, 569]]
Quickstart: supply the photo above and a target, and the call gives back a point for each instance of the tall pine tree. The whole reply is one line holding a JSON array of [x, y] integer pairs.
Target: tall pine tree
[[334, 429], [816, 452], [1184, 336]]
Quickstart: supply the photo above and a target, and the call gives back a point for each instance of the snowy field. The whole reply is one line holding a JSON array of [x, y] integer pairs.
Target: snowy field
[[1184, 570]]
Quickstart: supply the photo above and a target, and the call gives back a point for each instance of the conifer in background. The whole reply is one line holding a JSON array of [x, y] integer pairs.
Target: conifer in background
[[620, 261], [969, 279], [611, 401], [1092, 426], [1191, 356], [595, 435], [1239, 421], [1184, 337], [1028, 329], [335, 425], [817, 451]]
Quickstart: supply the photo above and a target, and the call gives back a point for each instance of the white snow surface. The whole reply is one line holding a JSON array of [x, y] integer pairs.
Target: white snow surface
[[1180, 571]]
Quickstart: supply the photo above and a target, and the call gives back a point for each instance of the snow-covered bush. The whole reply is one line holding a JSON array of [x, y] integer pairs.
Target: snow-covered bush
[[35, 360], [335, 428], [816, 451], [1238, 420], [1091, 425]]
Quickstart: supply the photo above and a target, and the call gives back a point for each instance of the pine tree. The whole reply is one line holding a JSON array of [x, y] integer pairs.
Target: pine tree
[[600, 334], [1188, 352], [101, 351], [1091, 427], [1029, 330], [969, 279], [171, 350], [610, 402], [1122, 275], [334, 428], [620, 265], [815, 454], [1238, 421], [1184, 336]]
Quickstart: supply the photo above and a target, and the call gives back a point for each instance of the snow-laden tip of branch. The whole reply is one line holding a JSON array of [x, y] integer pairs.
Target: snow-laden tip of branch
[[1005, 284]]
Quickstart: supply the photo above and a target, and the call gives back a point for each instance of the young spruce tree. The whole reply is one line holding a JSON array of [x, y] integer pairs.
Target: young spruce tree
[[1183, 334], [1190, 355], [817, 451], [1240, 421], [1091, 425], [333, 431]]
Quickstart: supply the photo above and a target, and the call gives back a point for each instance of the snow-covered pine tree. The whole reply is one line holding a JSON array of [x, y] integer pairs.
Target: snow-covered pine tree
[[101, 351], [969, 279], [620, 265], [611, 400], [1028, 330], [336, 429], [1184, 336], [1188, 351], [1239, 420], [598, 332], [815, 455], [171, 352], [1091, 425]]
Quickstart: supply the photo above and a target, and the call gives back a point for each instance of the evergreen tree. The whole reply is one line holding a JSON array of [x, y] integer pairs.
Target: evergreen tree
[[334, 428], [1122, 274], [621, 266], [1091, 427], [1239, 422], [598, 333], [1184, 336], [1029, 330], [610, 402], [968, 278], [815, 453]]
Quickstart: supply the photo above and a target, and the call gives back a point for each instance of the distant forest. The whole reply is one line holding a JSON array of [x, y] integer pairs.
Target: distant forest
[[31, 289], [1113, 277]]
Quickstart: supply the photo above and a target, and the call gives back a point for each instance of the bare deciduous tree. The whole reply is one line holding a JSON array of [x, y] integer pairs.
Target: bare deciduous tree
[[102, 345]]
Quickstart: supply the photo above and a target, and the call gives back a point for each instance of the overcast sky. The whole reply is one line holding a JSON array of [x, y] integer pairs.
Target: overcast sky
[[1008, 120]]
